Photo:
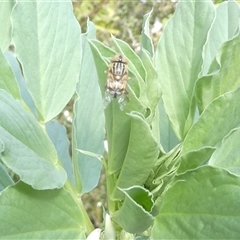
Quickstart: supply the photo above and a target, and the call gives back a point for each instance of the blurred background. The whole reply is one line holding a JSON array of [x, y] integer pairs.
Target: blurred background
[[124, 20]]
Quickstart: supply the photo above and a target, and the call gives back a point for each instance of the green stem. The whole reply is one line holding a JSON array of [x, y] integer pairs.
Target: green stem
[[88, 224], [110, 187]]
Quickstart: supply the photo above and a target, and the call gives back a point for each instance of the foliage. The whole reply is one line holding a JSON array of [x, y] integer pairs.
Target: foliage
[[172, 165]]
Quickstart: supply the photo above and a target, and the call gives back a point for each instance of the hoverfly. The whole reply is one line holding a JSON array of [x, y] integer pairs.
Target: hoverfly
[[117, 77]]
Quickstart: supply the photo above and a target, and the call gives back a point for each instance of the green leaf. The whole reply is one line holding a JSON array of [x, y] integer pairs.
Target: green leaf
[[142, 153], [47, 39], [214, 123], [146, 42], [88, 123], [153, 91], [179, 59], [203, 204], [225, 79], [227, 156], [58, 135], [30, 214], [5, 179], [28, 151], [134, 215], [195, 158], [224, 27], [21, 81], [168, 138], [7, 79], [5, 30]]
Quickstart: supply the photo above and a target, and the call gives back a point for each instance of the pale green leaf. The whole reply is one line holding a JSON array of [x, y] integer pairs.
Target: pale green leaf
[[153, 91], [30, 214], [5, 179], [195, 158], [5, 30], [225, 79], [168, 138], [141, 155], [146, 42], [58, 135], [224, 27], [134, 216], [47, 39], [21, 81], [203, 204], [214, 123], [88, 123], [27, 150], [179, 59], [7, 79], [227, 156]]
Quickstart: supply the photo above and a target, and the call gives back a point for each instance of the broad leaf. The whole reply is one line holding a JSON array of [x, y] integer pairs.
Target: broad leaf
[[168, 138], [30, 214], [225, 79], [203, 204], [134, 216], [195, 158], [58, 135], [7, 79], [146, 42], [224, 27], [179, 59], [46, 36], [227, 156], [141, 155], [214, 123], [88, 123], [5, 30], [5, 179], [27, 150], [153, 91], [21, 81]]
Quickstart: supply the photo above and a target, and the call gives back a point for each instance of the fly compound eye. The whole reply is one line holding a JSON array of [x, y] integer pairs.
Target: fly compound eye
[[120, 58]]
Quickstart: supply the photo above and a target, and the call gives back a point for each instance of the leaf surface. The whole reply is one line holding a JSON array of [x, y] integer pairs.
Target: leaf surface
[[27, 150], [134, 215], [227, 156], [88, 122], [47, 39], [30, 214], [203, 204], [179, 59]]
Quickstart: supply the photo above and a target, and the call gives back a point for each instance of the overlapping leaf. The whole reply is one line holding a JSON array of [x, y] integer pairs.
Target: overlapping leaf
[[141, 155], [30, 214], [216, 121], [7, 79], [179, 60], [88, 121], [5, 30], [46, 36], [225, 25], [227, 156], [134, 216], [203, 204], [27, 150], [225, 79]]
